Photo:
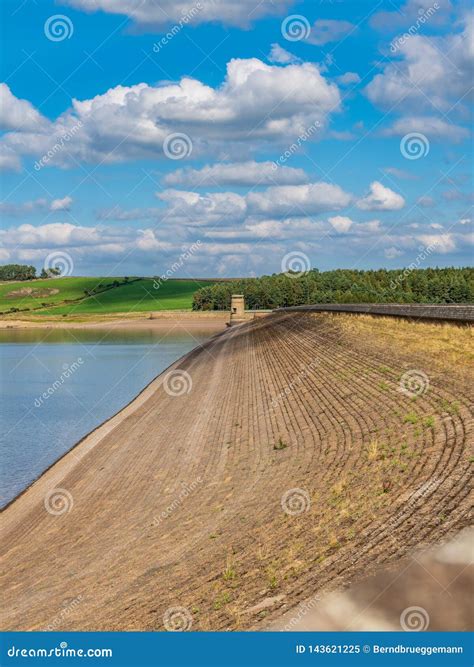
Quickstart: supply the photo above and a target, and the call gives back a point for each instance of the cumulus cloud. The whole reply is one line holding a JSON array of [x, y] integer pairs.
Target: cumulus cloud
[[341, 223], [424, 76], [63, 204], [348, 79], [237, 173], [35, 242], [256, 103], [381, 198], [193, 209], [40, 205], [307, 199], [281, 56], [150, 14], [325, 31], [9, 160], [392, 252], [17, 114], [442, 243], [431, 126], [409, 13], [118, 213]]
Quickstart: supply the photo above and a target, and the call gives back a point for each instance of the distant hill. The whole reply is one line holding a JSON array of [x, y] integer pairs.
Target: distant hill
[[65, 296]]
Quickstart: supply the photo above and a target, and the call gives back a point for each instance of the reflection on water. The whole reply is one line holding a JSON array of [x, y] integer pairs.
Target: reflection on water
[[58, 384]]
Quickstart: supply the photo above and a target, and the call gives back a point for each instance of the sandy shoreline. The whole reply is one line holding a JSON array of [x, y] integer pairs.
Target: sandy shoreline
[[162, 320]]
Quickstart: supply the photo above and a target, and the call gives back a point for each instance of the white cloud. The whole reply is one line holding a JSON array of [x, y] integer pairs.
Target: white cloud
[[17, 114], [442, 243], [63, 204], [281, 56], [371, 227], [325, 31], [237, 173], [53, 235], [256, 103], [118, 213], [341, 223], [408, 14], [150, 14], [381, 198], [433, 72], [348, 79], [305, 199], [431, 126], [9, 160], [193, 209], [226, 208], [40, 205], [392, 253]]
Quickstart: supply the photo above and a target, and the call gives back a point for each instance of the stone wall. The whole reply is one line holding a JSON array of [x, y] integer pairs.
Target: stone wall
[[458, 313]]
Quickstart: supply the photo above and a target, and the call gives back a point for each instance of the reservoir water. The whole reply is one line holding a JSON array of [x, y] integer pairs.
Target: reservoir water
[[56, 385]]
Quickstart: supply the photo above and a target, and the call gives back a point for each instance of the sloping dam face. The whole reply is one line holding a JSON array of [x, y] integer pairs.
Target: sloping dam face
[[287, 456]]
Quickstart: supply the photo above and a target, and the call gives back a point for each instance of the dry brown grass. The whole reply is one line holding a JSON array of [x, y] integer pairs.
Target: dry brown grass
[[449, 345]]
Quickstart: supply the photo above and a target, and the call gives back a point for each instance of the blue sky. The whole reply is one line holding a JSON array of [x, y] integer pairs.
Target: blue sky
[[335, 132]]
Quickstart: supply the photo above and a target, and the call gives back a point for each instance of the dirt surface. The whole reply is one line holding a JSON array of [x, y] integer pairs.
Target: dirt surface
[[163, 320], [428, 590], [295, 465], [30, 291]]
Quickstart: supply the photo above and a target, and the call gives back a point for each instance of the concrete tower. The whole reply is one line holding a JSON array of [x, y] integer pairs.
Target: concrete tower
[[237, 308]]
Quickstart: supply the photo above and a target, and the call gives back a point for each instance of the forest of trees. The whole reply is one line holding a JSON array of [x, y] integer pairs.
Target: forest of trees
[[451, 285]]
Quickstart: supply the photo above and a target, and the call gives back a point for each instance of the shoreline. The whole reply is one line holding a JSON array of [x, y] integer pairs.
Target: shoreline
[[157, 320]]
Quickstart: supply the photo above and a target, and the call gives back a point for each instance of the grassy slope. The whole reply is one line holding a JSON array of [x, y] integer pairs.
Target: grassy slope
[[134, 297]]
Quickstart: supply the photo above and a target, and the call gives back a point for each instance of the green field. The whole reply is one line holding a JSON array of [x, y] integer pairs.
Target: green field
[[126, 297]]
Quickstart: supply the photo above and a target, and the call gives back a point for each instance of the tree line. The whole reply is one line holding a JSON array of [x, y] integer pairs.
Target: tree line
[[432, 285], [25, 272]]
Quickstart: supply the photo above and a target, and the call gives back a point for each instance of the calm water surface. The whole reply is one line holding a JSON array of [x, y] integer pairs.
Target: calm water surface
[[88, 375]]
